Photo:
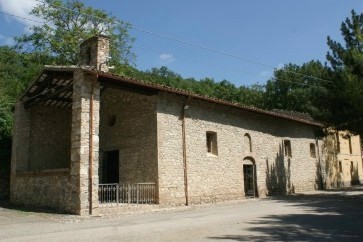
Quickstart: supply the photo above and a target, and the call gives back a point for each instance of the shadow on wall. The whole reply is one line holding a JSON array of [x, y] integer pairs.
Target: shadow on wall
[[355, 176], [328, 175], [278, 175], [332, 216], [320, 176], [5, 157], [4, 185]]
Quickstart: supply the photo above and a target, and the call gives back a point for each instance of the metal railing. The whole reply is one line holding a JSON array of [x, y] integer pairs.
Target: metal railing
[[138, 193]]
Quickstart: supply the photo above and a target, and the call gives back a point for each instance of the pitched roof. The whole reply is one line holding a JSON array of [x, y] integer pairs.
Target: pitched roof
[[58, 79]]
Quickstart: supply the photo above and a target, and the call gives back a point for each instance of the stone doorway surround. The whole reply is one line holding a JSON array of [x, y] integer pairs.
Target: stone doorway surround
[[249, 177]]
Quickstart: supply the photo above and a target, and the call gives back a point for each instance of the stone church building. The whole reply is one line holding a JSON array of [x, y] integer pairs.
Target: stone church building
[[84, 138]]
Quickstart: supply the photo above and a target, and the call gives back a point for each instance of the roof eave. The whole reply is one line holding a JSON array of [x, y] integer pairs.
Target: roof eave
[[200, 97]]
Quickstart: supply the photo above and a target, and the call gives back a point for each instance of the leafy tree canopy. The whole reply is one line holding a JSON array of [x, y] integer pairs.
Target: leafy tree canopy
[[16, 71], [300, 88], [346, 64], [67, 24]]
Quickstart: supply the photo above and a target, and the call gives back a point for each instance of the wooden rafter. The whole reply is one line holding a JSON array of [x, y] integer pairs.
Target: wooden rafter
[[39, 99], [50, 81]]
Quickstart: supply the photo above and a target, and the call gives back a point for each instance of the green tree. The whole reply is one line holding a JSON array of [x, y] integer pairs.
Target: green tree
[[300, 88], [226, 90], [252, 95], [67, 24], [16, 71], [346, 64]]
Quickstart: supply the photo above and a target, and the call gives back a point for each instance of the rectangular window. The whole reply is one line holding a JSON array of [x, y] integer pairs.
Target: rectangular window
[[350, 145], [312, 150], [287, 145], [340, 167], [212, 146], [338, 142]]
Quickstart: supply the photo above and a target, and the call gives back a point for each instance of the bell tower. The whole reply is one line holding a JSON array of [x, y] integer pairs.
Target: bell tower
[[94, 52]]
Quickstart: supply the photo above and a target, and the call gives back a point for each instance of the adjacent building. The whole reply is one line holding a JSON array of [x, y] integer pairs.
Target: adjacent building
[[342, 159]]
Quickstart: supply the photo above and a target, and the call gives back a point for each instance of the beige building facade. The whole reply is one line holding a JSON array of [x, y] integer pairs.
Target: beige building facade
[[84, 138], [343, 159]]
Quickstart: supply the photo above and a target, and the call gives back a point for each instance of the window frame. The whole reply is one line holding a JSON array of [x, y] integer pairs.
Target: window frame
[[248, 142], [350, 145], [212, 143], [312, 150], [287, 148]]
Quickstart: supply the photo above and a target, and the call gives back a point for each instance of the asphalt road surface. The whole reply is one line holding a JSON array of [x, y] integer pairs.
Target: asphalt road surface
[[317, 216]]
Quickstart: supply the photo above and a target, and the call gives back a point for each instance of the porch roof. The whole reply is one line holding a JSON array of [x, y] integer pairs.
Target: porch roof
[[53, 87]]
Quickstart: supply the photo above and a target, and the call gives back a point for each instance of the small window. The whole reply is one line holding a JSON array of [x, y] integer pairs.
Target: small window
[[312, 150], [340, 167], [248, 142], [112, 120], [88, 56], [350, 145], [212, 146], [287, 145], [338, 142]]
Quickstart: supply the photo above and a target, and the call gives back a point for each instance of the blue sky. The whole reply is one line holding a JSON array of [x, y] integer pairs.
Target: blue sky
[[269, 32]]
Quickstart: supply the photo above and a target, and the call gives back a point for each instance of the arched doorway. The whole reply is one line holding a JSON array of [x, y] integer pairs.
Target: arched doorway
[[249, 177]]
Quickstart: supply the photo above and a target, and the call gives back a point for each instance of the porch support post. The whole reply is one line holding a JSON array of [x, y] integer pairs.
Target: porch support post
[[84, 135]]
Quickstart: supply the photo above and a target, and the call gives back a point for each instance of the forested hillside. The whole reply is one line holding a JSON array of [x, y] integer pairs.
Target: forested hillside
[[331, 92]]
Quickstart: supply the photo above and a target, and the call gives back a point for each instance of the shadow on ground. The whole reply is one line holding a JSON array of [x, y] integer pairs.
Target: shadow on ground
[[331, 215], [26, 208]]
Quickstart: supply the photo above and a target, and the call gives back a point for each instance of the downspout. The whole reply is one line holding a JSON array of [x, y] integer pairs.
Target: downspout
[[321, 171], [185, 164], [90, 158]]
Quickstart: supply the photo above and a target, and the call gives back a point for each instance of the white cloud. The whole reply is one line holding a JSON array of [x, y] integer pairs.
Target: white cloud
[[166, 58], [6, 40], [20, 8]]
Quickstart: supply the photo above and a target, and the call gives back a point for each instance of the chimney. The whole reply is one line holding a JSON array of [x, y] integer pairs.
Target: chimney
[[94, 52]]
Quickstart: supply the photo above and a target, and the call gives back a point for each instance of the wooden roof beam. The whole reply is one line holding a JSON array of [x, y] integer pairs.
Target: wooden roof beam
[[33, 101]]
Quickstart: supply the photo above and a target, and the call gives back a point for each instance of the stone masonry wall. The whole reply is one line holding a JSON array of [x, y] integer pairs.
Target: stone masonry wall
[[94, 53], [20, 146], [170, 151], [63, 189], [82, 191], [220, 177], [350, 175], [48, 186], [50, 138], [46, 189], [133, 134]]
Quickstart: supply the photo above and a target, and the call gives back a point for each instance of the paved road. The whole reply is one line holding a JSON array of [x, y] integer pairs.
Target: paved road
[[317, 216]]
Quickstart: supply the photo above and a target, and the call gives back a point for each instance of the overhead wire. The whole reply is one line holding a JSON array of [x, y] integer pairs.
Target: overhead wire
[[223, 53], [219, 66], [189, 43], [176, 56], [16, 16], [194, 60]]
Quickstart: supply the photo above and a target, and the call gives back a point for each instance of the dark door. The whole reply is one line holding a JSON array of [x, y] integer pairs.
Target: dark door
[[249, 180], [110, 167]]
